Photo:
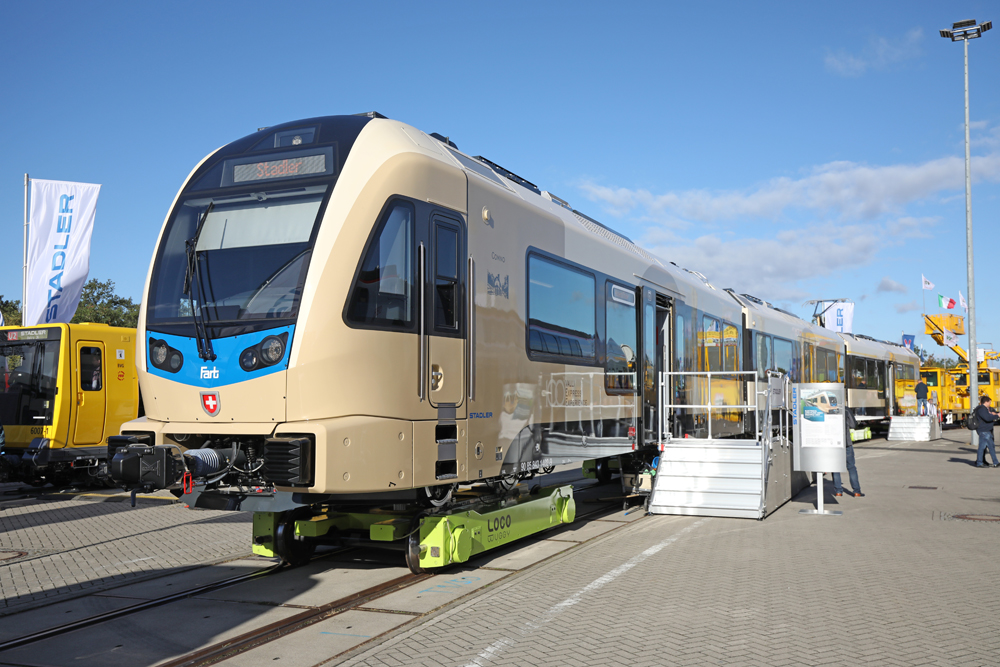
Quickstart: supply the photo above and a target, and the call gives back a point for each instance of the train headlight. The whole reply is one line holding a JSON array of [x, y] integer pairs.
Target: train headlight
[[249, 359], [272, 350], [175, 361], [160, 353]]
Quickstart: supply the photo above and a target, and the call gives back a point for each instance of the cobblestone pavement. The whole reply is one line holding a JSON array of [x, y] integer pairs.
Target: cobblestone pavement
[[52, 549], [899, 579]]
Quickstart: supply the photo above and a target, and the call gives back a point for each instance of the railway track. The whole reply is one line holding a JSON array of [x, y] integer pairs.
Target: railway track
[[217, 652]]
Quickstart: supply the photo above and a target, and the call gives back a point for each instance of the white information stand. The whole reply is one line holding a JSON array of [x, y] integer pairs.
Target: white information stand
[[820, 434]]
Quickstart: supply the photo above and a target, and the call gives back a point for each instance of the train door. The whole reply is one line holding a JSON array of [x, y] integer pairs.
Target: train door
[[890, 387], [444, 316], [89, 381], [654, 328]]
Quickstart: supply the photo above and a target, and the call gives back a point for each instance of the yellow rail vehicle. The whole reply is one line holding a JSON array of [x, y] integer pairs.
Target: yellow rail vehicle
[[958, 397], [63, 389]]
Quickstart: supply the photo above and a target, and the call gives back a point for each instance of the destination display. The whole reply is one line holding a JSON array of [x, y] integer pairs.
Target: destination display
[[303, 165], [28, 334]]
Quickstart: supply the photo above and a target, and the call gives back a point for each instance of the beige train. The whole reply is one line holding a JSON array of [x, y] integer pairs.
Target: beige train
[[347, 310]]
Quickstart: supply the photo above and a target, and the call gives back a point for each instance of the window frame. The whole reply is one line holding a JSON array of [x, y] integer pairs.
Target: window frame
[[609, 297]]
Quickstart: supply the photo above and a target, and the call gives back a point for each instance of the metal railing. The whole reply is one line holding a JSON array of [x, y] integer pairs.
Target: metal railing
[[665, 388]]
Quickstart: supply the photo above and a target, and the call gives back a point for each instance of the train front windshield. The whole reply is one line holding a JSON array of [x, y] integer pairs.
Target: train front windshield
[[28, 379], [243, 262]]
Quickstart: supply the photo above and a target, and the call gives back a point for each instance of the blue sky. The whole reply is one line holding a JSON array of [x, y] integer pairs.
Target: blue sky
[[789, 150]]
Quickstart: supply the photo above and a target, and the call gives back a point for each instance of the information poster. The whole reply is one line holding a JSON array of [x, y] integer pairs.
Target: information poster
[[818, 423]]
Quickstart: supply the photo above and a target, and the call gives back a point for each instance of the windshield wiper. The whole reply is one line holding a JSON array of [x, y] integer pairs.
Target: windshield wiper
[[205, 350]]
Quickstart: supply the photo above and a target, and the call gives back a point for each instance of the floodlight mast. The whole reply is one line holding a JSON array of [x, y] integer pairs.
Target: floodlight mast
[[963, 31]]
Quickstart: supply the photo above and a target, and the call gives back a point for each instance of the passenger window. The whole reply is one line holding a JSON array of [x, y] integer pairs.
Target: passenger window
[[91, 375], [731, 347], [621, 365], [562, 319], [446, 279], [807, 366], [783, 356], [680, 343], [383, 293], [710, 344]]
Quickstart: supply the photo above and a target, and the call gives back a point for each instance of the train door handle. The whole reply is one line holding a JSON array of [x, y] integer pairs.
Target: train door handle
[[437, 377], [79, 398]]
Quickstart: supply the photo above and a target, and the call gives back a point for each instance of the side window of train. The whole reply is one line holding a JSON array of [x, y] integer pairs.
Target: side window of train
[[857, 372], [875, 375], [783, 360], [383, 293], [90, 369], [709, 344], [807, 365], [731, 347], [620, 319], [763, 355], [562, 315], [446, 267]]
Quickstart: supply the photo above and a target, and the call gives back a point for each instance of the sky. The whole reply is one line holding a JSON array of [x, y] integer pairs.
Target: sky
[[789, 150]]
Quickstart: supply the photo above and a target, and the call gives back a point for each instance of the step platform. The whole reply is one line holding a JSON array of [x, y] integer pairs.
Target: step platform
[[915, 428]]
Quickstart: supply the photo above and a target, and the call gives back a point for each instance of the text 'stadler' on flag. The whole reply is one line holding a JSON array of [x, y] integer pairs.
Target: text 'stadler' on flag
[[945, 302], [61, 223]]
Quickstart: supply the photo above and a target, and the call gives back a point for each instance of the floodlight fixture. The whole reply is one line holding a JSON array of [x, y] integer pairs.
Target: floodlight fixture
[[966, 30]]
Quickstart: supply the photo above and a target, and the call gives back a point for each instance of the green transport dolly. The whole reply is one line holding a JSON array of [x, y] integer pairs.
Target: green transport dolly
[[431, 538]]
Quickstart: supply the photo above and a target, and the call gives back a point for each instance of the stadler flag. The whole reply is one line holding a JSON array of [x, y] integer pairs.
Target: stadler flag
[[927, 284], [945, 302], [61, 222], [840, 317], [961, 301], [950, 339]]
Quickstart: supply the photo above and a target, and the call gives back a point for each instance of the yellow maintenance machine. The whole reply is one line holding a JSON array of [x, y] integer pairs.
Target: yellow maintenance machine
[[952, 384], [63, 389]]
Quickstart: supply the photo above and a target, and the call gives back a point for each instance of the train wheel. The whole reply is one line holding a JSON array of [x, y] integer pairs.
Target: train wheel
[[413, 546], [291, 551], [603, 470], [436, 496], [502, 484]]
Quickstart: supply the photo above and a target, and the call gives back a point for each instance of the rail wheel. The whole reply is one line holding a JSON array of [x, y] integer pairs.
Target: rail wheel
[[436, 496], [503, 484], [603, 470], [413, 546], [292, 551]]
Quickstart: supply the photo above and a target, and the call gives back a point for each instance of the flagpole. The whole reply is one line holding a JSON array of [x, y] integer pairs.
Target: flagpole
[[24, 276]]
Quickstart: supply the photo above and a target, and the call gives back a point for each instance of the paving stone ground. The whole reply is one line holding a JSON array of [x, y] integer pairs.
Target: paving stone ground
[[896, 580], [86, 544]]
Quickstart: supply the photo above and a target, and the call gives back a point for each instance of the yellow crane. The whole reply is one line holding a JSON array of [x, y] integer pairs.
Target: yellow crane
[[955, 391]]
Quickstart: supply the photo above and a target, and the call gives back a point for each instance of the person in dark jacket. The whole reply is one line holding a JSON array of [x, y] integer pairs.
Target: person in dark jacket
[[850, 423], [986, 418], [921, 390]]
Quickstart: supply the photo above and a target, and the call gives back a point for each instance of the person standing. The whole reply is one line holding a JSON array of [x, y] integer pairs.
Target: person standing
[[985, 418], [921, 390], [850, 423]]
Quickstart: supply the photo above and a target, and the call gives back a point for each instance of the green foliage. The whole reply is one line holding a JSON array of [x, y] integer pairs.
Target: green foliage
[[940, 362], [99, 303], [11, 311]]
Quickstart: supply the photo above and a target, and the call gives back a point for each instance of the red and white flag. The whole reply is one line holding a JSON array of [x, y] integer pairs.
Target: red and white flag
[[945, 302]]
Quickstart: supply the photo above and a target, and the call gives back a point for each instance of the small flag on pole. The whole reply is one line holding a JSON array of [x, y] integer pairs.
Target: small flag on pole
[[1, 319], [927, 284], [908, 341], [950, 339], [961, 301], [945, 302]]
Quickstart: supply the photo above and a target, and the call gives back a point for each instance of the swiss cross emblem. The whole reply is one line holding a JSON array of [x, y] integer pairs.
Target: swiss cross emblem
[[210, 403]]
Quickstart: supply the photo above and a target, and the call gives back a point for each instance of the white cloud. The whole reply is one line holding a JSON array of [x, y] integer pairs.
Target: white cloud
[[889, 285], [770, 268], [846, 188], [879, 54], [907, 307]]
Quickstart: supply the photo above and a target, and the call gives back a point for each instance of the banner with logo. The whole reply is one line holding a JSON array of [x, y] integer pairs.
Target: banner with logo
[[61, 221], [839, 317], [908, 341]]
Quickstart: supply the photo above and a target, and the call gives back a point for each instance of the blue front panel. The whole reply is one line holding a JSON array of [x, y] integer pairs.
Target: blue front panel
[[226, 368]]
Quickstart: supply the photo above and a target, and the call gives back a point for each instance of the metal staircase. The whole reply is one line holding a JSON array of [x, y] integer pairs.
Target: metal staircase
[[727, 476]]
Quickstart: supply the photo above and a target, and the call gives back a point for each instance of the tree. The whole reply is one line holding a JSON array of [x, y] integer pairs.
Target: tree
[[11, 311], [99, 303]]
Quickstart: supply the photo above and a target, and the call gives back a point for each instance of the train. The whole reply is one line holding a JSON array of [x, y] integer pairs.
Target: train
[[64, 389], [346, 312]]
